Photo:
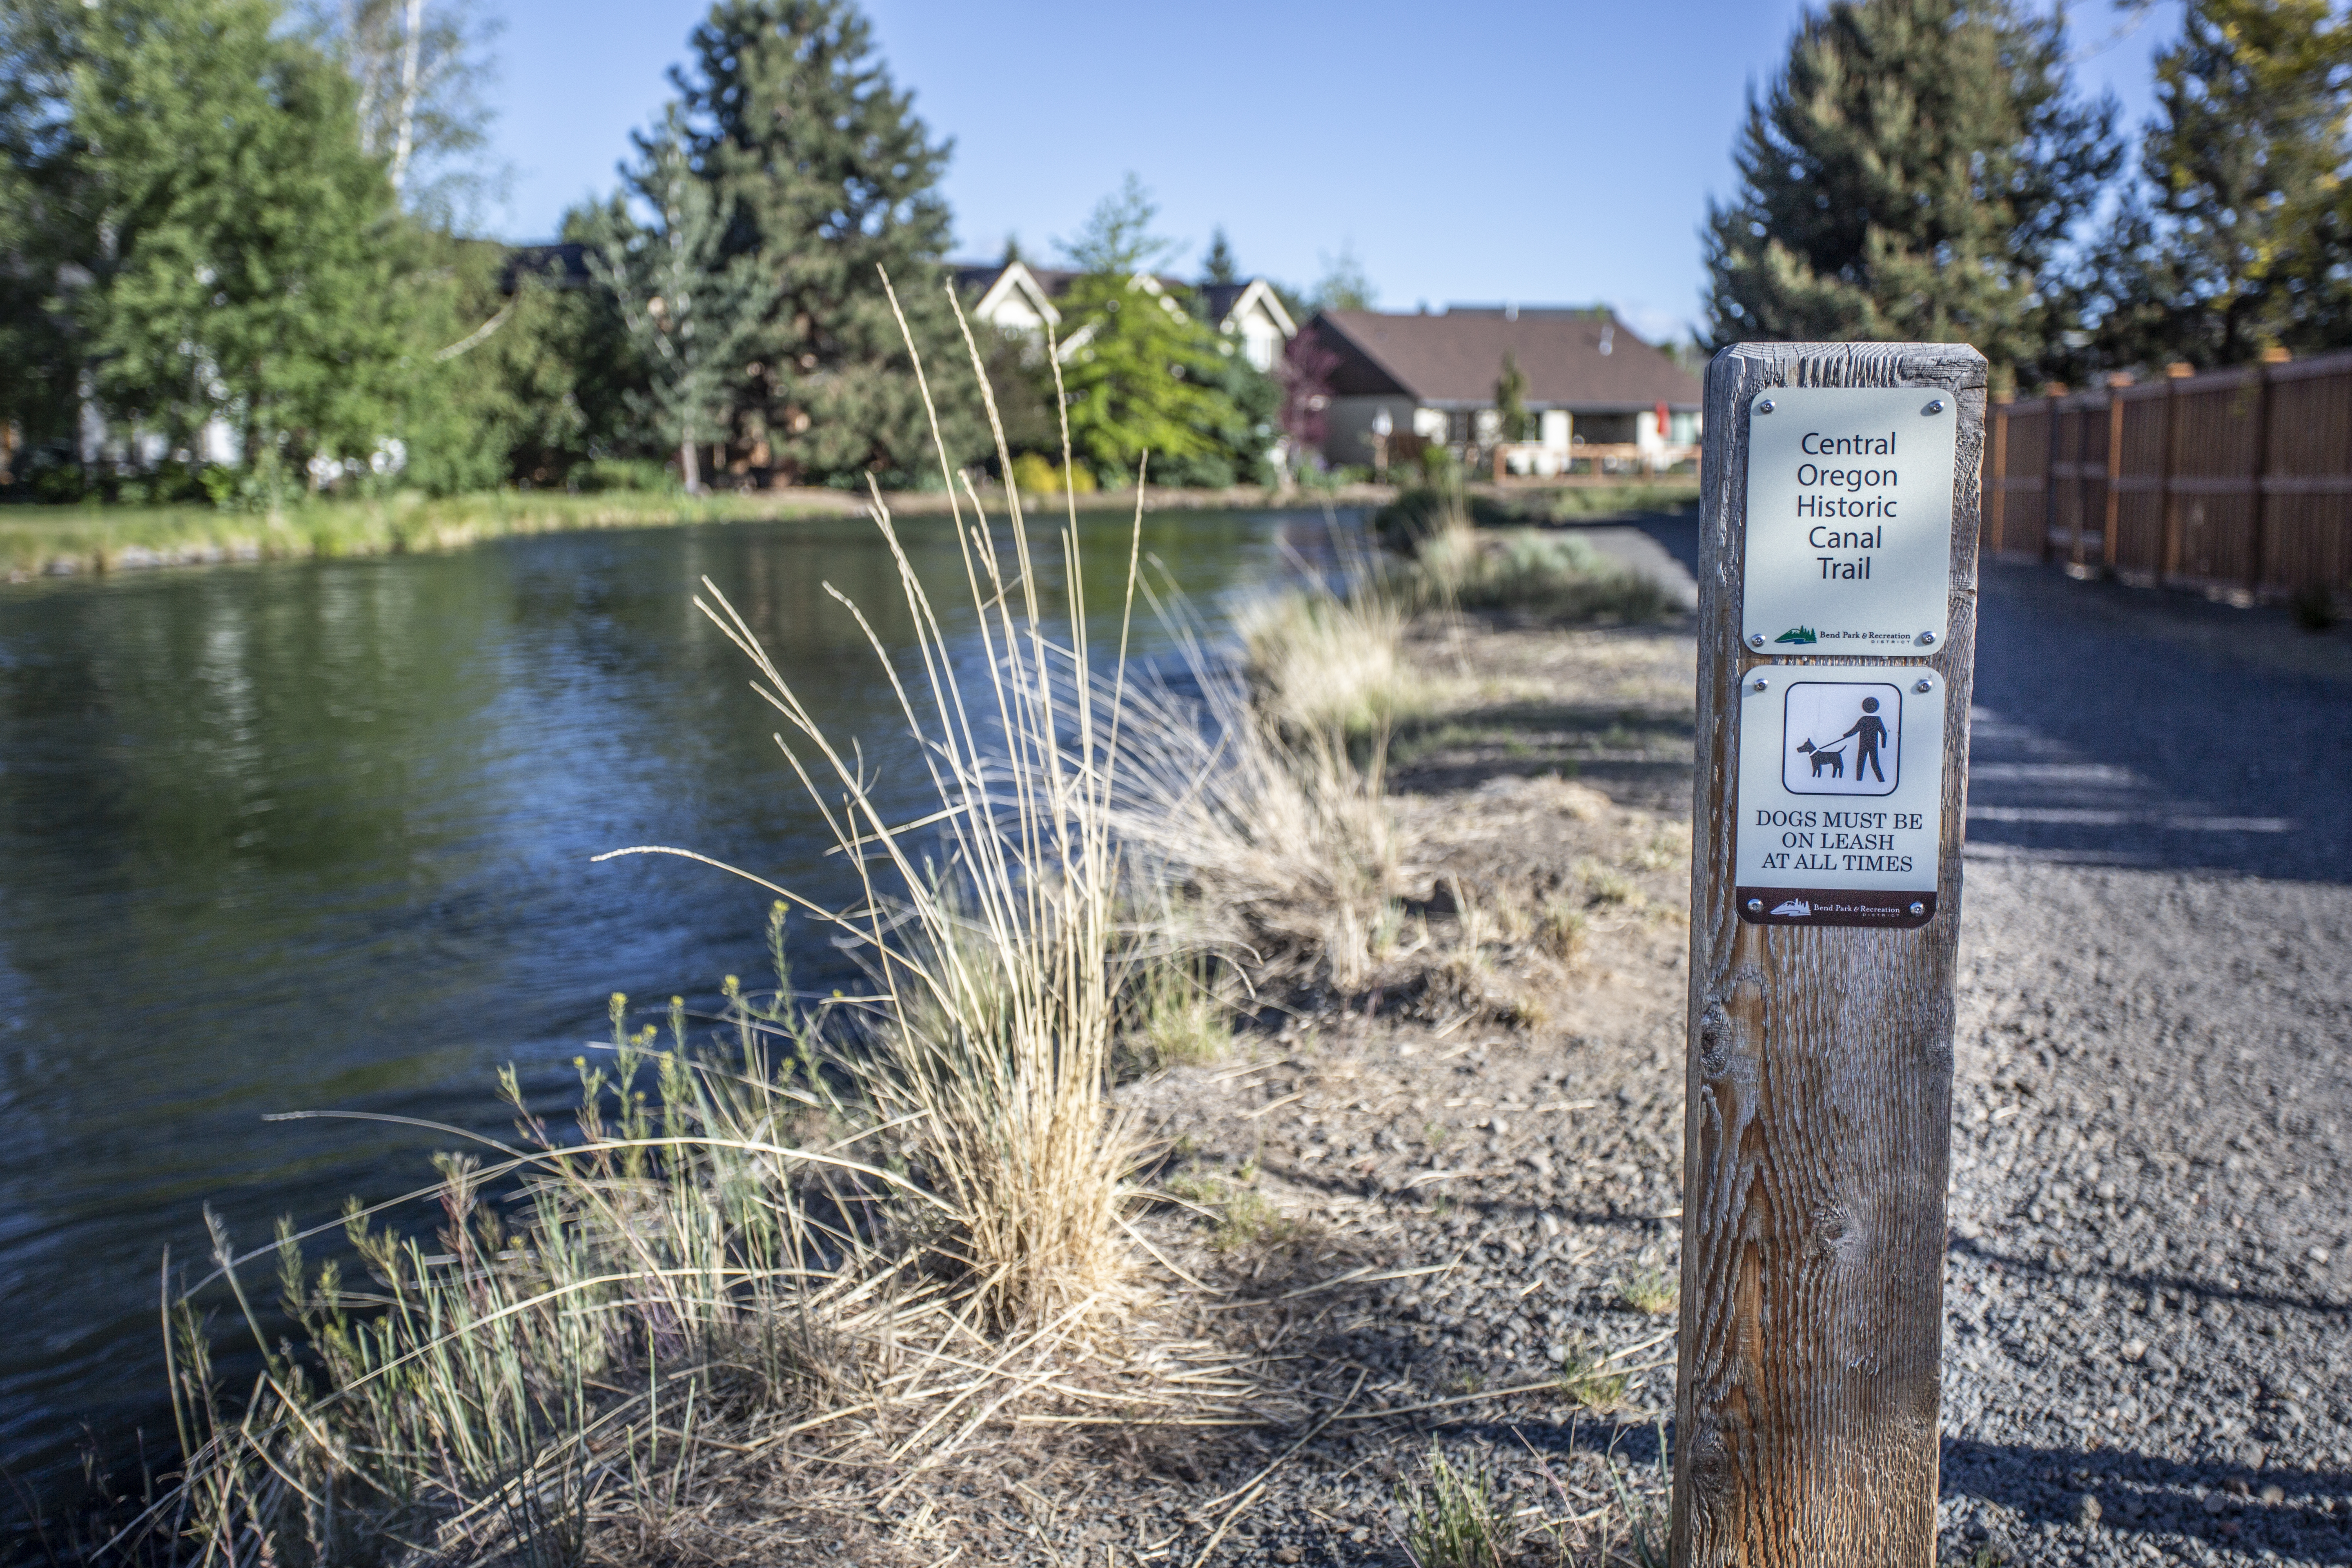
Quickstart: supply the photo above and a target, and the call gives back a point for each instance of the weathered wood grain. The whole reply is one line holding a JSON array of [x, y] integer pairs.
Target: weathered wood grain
[[1817, 1133]]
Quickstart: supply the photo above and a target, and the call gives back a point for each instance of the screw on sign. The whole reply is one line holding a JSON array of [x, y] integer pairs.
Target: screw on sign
[[1837, 641]]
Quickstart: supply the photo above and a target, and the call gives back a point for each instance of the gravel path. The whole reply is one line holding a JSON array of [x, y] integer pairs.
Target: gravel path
[[2149, 1304], [2149, 1296]]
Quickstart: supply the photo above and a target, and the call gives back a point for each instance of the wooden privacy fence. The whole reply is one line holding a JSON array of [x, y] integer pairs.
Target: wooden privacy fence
[[2236, 480]]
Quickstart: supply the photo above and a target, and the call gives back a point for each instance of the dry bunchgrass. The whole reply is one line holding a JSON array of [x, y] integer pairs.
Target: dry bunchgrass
[[857, 1236], [1330, 663], [1271, 813]]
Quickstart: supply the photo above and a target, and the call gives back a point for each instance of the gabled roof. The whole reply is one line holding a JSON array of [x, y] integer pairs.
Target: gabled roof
[[1227, 301], [985, 283], [995, 285], [1574, 359]]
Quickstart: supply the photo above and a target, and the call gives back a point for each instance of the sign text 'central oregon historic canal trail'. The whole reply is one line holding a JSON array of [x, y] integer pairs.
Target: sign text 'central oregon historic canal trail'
[[1848, 521], [1849, 551]]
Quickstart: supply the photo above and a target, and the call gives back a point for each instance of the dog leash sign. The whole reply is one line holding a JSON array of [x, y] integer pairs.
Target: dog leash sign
[[1841, 796]]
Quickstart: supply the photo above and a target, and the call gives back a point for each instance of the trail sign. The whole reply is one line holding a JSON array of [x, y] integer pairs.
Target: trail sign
[[1840, 796], [1849, 520], [1833, 763]]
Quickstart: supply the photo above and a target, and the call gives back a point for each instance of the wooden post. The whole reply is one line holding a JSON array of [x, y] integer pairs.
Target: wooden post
[[2051, 393], [2082, 500], [1997, 475], [1816, 1144], [2110, 523], [2168, 562], [2258, 543]]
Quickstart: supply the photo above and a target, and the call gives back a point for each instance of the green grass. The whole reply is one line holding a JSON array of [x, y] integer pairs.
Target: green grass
[[1650, 1291], [1178, 1014], [1453, 1519], [43, 539]]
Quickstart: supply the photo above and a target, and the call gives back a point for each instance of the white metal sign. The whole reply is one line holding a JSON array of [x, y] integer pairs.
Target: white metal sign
[[1840, 796], [1849, 520]]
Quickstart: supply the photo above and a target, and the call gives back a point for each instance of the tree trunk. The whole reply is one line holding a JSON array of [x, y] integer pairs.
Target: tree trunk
[[412, 45], [689, 465]]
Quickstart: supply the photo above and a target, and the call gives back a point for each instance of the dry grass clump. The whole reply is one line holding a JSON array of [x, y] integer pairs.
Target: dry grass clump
[[1329, 663], [1270, 811]]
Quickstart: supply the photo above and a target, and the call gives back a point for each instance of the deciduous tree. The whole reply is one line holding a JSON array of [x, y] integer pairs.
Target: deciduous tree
[[689, 307], [421, 69], [241, 249]]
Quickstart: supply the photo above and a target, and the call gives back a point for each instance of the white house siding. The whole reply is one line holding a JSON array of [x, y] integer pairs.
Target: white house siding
[[1013, 313], [1262, 339]]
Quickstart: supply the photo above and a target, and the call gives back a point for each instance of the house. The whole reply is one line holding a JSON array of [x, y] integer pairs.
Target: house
[[1595, 389], [1015, 296]]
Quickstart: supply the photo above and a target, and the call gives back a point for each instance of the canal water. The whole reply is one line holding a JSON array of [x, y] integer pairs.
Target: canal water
[[317, 835]]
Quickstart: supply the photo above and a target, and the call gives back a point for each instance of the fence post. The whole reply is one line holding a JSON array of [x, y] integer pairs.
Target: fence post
[[2258, 543], [2114, 515], [2168, 559], [1817, 1133], [1996, 473], [2081, 483], [2052, 392]]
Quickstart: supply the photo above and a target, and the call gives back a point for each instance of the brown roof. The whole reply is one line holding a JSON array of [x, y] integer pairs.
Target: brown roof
[[1454, 358]]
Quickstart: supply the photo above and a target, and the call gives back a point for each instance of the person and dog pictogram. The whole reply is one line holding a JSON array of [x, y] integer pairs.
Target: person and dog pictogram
[[1869, 733]]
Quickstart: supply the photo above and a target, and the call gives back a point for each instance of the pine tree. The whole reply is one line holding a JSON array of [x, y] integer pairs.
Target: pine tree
[[689, 309], [243, 250], [2239, 237], [1912, 173], [822, 173], [1116, 240], [1219, 265], [1344, 285]]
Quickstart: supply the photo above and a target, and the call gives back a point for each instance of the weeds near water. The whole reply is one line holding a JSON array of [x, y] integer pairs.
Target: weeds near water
[[873, 1227]]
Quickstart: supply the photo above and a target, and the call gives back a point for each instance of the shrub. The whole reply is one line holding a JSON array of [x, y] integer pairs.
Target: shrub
[[1035, 474], [1553, 573]]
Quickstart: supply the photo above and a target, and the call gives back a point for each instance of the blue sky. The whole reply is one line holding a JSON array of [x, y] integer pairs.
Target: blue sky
[[1476, 151]]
